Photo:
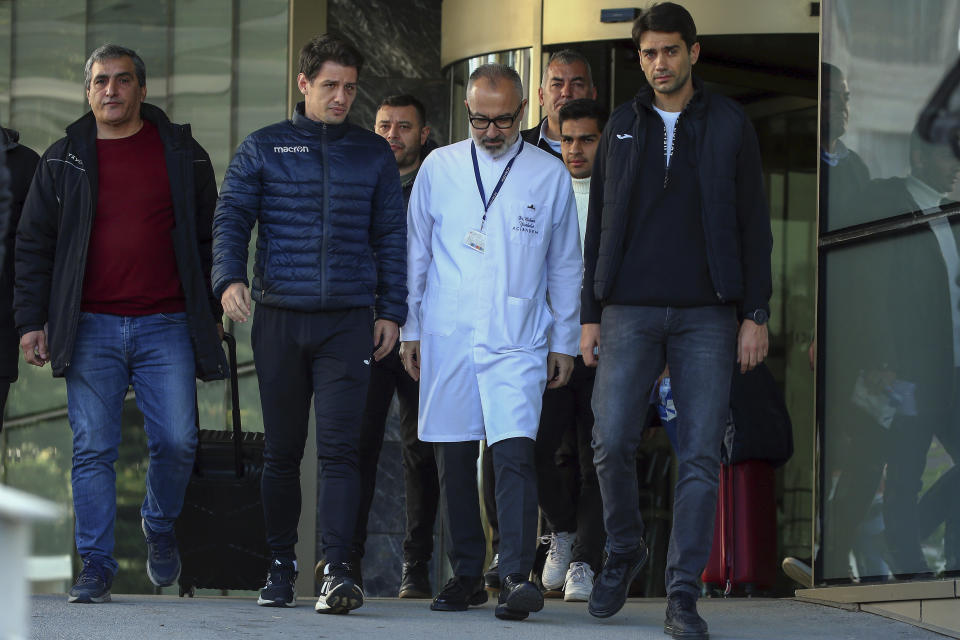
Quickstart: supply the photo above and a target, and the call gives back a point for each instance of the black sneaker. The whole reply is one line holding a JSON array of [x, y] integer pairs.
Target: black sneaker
[[356, 569], [491, 578], [610, 590], [339, 592], [415, 580], [279, 590], [163, 557], [683, 621], [459, 593], [92, 585], [518, 598]]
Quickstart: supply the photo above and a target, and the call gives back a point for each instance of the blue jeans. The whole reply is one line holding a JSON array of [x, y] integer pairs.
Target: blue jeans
[[154, 353], [699, 343]]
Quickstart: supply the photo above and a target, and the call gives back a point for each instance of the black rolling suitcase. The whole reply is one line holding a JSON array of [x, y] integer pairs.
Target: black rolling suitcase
[[220, 530]]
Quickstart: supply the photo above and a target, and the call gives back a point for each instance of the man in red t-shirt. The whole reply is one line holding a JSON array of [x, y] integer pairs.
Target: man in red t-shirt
[[112, 288]]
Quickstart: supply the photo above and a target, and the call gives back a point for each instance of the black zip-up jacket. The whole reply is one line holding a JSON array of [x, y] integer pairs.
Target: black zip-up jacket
[[21, 163], [55, 230], [736, 219]]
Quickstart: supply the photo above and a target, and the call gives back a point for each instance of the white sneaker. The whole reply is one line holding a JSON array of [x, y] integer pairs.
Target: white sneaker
[[798, 571], [558, 559], [579, 582]]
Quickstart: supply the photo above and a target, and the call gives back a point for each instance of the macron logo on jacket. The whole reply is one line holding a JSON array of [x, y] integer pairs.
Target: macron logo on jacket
[[291, 149]]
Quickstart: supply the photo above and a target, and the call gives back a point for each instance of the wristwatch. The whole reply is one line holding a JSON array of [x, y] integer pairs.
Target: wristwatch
[[760, 316]]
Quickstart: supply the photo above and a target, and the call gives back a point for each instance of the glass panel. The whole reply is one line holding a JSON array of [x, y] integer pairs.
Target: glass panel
[[250, 413], [890, 352], [47, 78], [870, 108], [37, 460], [219, 65], [459, 73], [201, 80]]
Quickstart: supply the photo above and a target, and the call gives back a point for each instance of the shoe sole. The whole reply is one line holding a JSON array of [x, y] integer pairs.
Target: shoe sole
[[528, 600], [276, 603], [343, 599], [477, 599], [89, 599], [601, 613], [153, 578], [685, 635], [576, 597], [414, 594], [553, 593], [503, 612]]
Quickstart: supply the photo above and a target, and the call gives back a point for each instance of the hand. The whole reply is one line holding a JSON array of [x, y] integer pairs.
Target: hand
[[236, 302], [752, 343], [410, 357], [385, 334], [34, 346], [559, 368], [590, 340]]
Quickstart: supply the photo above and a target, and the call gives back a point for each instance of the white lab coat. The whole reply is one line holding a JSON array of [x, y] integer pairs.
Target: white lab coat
[[483, 319]]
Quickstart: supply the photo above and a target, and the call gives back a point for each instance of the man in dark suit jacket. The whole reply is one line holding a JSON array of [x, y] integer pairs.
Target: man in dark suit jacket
[[567, 77]]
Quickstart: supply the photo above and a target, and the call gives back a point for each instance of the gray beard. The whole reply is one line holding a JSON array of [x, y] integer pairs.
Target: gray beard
[[501, 151]]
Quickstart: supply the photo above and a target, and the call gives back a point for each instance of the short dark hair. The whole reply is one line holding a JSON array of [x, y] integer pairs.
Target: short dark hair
[[567, 57], [406, 100], [112, 52], [583, 108], [666, 17], [328, 47]]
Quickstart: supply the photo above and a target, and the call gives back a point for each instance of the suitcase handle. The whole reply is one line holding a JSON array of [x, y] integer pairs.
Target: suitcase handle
[[235, 402]]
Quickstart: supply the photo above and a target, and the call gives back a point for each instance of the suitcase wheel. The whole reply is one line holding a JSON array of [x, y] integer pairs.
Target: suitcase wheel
[[189, 592]]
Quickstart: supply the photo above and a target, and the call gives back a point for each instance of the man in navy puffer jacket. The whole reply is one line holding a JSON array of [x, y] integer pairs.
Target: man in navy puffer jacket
[[331, 244]]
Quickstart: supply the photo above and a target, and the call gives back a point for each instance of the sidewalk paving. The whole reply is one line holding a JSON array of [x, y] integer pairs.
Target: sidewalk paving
[[139, 617]]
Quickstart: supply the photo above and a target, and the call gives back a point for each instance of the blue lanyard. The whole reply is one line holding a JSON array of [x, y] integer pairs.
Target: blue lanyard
[[503, 176]]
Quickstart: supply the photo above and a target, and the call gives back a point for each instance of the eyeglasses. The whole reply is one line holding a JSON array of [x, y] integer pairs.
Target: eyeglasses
[[500, 122]]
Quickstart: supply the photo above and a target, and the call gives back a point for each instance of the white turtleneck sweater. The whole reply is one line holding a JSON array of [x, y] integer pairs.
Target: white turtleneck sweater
[[581, 191]]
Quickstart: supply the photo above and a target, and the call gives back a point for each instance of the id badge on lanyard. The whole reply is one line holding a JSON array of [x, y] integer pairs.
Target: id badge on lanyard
[[476, 239]]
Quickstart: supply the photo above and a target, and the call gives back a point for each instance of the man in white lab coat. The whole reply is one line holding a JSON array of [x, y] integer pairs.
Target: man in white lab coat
[[492, 230]]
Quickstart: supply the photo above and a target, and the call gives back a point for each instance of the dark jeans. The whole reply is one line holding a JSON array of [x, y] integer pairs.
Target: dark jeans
[[421, 485], [699, 344], [578, 507], [490, 498], [514, 468], [325, 355]]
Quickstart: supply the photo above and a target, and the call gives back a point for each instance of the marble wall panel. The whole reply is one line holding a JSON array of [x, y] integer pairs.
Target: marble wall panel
[[400, 40]]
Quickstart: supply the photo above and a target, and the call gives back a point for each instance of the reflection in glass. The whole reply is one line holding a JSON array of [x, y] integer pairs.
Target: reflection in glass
[[459, 73], [220, 66], [890, 299]]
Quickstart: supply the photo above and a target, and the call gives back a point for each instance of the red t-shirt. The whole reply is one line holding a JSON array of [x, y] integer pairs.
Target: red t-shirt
[[131, 268]]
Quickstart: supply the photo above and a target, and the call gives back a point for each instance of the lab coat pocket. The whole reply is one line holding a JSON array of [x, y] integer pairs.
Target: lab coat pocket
[[440, 310], [521, 323]]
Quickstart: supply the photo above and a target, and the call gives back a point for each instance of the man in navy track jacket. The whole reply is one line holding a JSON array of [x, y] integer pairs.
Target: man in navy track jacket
[[331, 245]]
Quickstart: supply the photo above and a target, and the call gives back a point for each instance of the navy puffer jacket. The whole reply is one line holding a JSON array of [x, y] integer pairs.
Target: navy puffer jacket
[[332, 225]]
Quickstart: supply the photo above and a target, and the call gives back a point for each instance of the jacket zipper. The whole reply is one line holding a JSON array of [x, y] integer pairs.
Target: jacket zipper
[[672, 147], [81, 272], [325, 213]]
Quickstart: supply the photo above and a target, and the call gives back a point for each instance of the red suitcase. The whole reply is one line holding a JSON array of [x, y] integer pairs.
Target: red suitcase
[[744, 553]]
